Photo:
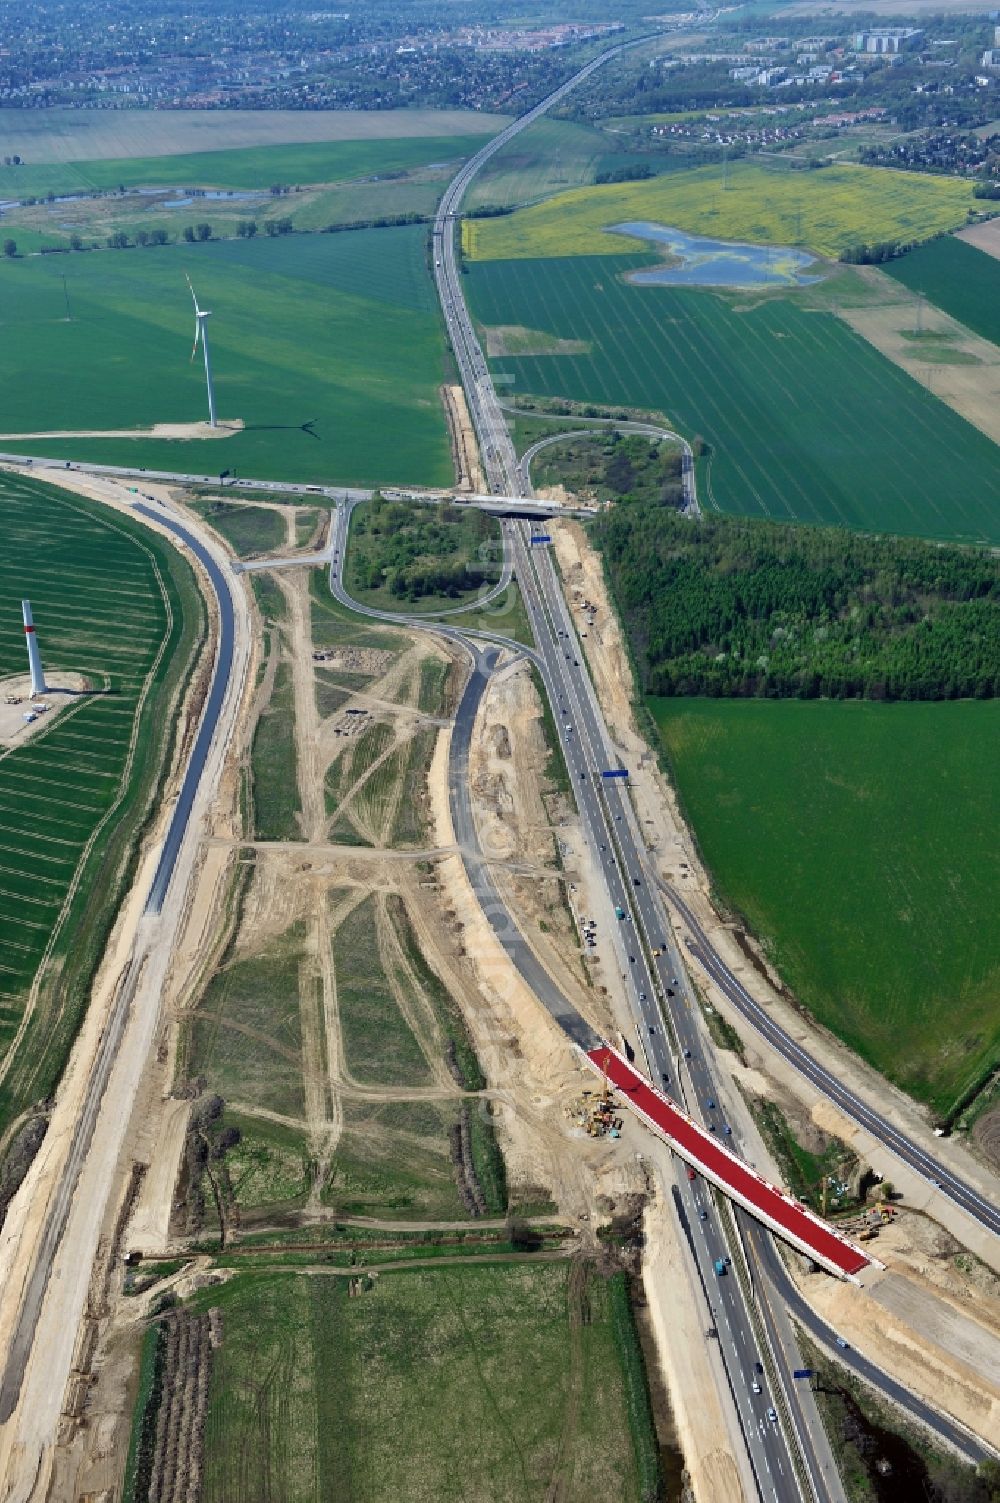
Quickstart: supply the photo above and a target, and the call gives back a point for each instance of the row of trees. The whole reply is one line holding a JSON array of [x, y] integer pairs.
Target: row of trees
[[726, 607], [192, 234]]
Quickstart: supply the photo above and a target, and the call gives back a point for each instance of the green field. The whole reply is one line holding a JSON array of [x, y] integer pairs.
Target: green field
[[256, 167], [804, 420], [115, 603], [424, 1386], [352, 183], [392, 1161], [858, 841], [321, 344], [245, 1039], [64, 135], [957, 277], [826, 210], [549, 157]]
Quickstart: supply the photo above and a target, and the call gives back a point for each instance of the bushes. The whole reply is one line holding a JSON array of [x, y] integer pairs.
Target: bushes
[[139, 1467], [636, 1386]]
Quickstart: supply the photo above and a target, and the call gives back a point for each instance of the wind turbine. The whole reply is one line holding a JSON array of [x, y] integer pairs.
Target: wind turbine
[[200, 332]]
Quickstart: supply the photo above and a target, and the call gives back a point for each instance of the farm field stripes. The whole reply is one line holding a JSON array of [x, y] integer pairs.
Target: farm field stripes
[[824, 211], [107, 600], [957, 277], [804, 420], [321, 344]]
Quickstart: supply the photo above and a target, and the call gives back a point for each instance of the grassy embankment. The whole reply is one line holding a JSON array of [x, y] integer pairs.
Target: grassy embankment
[[856, 841], [249, 530], [74, 797]]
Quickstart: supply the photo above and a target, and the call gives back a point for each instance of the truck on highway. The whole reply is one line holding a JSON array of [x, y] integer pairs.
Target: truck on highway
[[619, 911], [720, 1266]]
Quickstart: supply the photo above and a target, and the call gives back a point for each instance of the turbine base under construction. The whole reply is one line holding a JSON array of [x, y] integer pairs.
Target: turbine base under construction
[[201, 316], [38, 684]]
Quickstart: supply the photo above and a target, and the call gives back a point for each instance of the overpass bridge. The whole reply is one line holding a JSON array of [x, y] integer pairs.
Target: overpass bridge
[[499, 506], [787, 1217]]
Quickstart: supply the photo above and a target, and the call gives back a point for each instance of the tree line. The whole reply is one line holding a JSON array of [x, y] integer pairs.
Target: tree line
[[726, 607]]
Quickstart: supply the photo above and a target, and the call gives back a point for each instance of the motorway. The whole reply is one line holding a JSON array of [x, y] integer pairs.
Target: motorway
[[507, 477], [660, 981], [668, 1035], [724, 1309]]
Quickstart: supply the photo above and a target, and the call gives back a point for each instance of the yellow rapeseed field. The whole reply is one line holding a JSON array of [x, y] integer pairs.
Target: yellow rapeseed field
[[824, 211]]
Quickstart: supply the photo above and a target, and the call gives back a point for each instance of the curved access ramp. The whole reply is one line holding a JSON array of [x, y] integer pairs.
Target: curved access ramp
[[786, 1216]]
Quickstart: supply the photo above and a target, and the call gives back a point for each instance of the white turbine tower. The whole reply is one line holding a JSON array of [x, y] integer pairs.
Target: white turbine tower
[[38, 684], [200, 332]]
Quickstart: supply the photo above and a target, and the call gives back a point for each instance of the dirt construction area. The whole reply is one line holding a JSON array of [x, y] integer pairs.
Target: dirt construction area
[[344, 1043]]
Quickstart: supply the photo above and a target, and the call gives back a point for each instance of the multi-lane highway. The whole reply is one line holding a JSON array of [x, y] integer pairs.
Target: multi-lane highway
[[496, 450], [653, 972]]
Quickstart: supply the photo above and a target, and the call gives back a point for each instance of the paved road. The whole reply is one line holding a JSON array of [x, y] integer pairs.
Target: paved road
[[607, 819], [58, 1214], [488, 418], [221, 588], [724, 1300], [984, 1211], [180, 477], [624, 859], [605, 807]]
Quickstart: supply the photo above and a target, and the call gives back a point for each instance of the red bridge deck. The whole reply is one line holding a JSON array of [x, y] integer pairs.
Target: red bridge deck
[[775, 1208]]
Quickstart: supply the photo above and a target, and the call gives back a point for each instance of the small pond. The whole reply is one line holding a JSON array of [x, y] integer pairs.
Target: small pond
[[210, 195], [699, 262]]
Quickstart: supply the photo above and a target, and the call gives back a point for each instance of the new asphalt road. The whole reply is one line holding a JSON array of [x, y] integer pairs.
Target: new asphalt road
[[62, 1199]]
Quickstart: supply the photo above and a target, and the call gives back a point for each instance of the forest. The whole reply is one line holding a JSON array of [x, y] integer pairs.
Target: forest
[[729, 607]]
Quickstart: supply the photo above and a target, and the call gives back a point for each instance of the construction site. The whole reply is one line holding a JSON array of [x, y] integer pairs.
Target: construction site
[[354, 1099]]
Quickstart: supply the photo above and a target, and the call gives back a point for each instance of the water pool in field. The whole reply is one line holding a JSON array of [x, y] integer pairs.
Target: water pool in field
[[697, 261]]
